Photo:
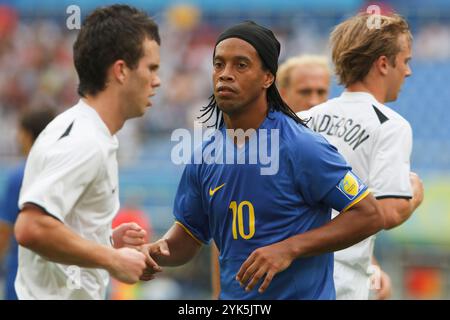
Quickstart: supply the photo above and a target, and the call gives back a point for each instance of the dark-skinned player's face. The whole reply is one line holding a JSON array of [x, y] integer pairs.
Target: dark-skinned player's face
[[238, 77]]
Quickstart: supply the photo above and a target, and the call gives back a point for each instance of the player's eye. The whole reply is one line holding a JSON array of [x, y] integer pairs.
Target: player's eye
[[305, 92], [153, 68], [218, 65]]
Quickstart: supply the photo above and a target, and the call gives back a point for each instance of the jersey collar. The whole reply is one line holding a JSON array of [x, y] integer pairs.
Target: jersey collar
[[93, 114], [359, 96]]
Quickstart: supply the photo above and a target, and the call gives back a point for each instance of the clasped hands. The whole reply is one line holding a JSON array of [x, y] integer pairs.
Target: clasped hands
[[262, 264]]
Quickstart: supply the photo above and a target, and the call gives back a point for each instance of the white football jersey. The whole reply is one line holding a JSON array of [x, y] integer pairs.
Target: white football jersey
[[376, 141], [72, 174]]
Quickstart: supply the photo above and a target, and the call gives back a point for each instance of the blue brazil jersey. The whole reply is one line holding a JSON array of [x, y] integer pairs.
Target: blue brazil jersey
[[9, 211], [242, 207]]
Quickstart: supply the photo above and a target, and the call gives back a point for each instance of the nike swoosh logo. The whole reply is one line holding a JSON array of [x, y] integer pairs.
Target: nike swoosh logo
[[212, 191]]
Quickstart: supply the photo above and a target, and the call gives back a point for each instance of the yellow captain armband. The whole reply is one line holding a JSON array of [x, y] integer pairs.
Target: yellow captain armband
[[362, 196]]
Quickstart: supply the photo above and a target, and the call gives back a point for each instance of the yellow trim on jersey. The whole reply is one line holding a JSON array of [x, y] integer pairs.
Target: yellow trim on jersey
[[189, 232], [356, 200]]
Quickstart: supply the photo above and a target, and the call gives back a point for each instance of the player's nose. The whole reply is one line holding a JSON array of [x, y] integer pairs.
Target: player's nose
[[226, 74], [314, 100], [156, 82]]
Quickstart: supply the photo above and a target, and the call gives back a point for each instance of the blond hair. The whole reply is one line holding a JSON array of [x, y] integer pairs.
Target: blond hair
[[284, 71], [356, 44]]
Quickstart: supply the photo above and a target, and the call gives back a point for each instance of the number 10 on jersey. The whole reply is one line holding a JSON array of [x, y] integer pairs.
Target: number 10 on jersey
[[238, 219]]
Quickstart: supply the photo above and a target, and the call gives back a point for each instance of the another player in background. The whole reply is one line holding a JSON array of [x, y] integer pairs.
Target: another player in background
[[304, 81], [273, 230], [31, 123], [372, 63], [70, 193]]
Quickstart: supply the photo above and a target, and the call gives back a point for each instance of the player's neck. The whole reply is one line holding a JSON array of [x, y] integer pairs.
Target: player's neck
[[108, 110], [250, 117], [370, 87]]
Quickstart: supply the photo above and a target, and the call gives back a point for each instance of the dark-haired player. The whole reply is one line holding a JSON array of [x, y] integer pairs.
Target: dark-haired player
[[70, 192], [273, 230]]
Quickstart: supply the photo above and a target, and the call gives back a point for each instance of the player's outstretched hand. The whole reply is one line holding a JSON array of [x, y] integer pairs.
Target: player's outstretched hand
[[151, 251], [265, 263], [129, 235], [127, 265]]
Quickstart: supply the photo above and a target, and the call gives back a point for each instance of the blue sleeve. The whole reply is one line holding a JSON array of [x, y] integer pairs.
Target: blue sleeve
[[322, 174], [188, 208], [9, 207]]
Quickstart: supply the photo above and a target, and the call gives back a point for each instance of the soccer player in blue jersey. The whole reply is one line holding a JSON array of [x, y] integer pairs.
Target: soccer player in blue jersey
[[272, 227], [31, 124]]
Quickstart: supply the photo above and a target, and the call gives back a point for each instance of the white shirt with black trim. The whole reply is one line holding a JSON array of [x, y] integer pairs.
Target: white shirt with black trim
[[72, 174], [376, 141]]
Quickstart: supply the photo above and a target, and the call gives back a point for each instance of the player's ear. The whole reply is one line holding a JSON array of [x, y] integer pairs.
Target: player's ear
[[268, 80], [119, 70], [382, 64]]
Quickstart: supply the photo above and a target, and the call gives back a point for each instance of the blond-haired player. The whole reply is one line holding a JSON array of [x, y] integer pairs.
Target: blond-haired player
[[371, 56], [304, 81]]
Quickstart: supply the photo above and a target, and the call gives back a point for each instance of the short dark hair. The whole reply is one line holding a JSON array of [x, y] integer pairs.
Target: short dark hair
[[109, 34], [35, 120]]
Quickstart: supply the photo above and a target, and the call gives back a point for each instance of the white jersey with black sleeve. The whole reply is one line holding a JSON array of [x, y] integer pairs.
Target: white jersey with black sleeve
[[72, 174], [376, 141]]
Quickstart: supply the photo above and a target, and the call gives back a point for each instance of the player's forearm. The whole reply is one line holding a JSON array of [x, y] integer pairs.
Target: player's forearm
[[405, 213], [397, 211], [345, 230], [415, 202], [179, 255], [54, 241], [64, 247], [182, 247]]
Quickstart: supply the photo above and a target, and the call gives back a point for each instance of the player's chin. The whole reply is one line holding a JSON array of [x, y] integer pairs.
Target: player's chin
[[144, 107], [137, 113], [394, 98], [226, 105]]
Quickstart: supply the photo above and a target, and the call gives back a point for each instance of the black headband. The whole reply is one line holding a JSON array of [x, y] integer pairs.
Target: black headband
[[262, 39]]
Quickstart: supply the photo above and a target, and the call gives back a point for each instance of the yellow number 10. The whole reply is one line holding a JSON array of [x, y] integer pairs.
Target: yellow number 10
[[239, 216]]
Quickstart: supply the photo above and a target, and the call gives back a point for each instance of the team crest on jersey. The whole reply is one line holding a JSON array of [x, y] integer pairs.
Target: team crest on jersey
[[350, 185]]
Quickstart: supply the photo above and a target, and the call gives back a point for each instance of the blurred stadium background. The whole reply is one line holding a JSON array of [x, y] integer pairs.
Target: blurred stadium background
[[36, 70]]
